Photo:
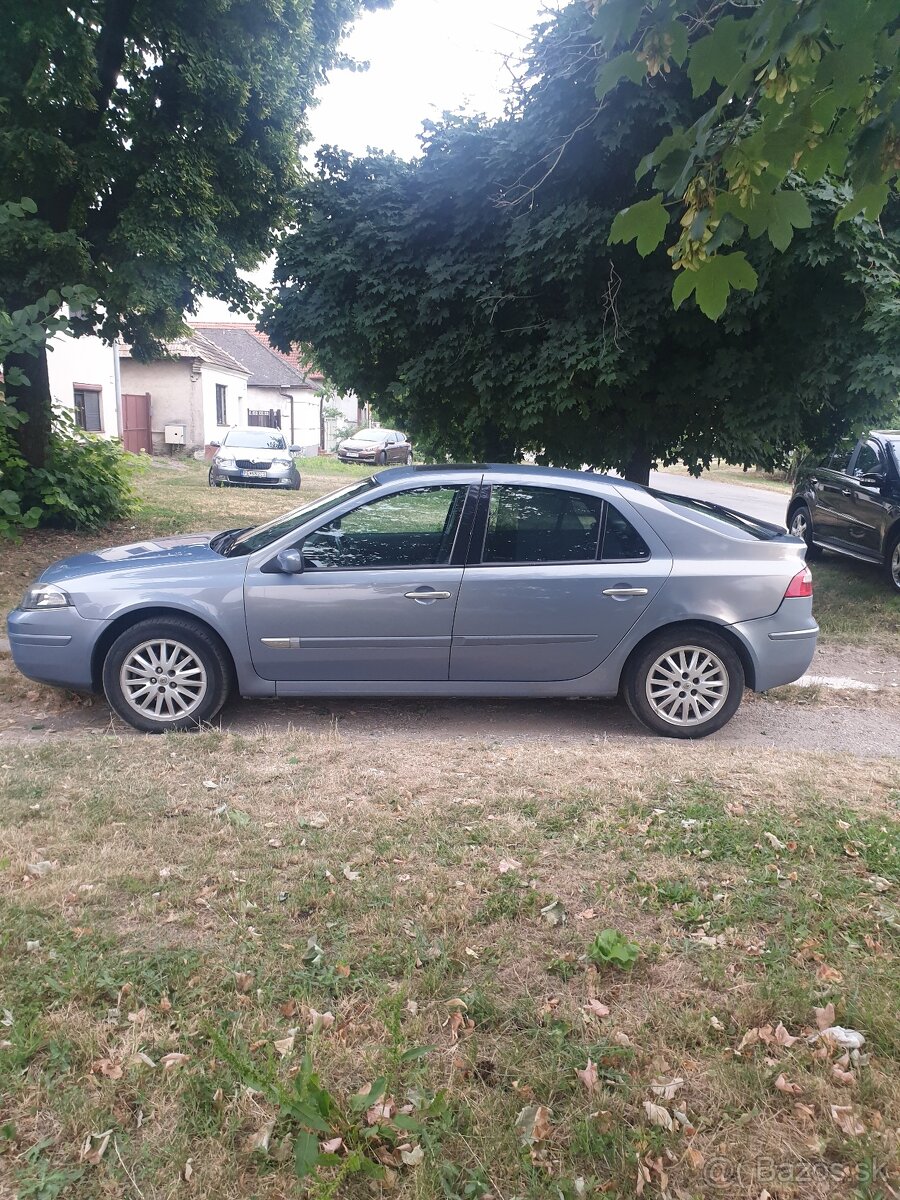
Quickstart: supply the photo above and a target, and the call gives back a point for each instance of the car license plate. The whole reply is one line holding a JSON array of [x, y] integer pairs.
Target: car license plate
[[349, 454], [254, 474]]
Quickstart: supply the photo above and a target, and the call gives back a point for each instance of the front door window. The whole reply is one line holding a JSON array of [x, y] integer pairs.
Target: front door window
[[417, 528]]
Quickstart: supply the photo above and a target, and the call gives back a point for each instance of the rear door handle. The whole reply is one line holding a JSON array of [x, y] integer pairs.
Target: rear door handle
[[622, 592], [846, 491], [427, 596]]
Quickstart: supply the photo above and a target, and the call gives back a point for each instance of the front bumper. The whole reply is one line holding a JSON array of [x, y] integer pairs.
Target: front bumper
[[357, 458], [54, 646], [272, 479], [781, 647]]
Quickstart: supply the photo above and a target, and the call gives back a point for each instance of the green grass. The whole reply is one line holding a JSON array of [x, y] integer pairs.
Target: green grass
[[854, 605], [167, 928]]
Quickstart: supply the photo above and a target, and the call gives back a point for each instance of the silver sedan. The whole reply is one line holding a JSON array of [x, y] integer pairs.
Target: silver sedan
[[450, 581]]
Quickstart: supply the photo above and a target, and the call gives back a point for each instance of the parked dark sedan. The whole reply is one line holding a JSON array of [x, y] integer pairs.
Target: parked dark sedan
[[376, 446], [849, 502]]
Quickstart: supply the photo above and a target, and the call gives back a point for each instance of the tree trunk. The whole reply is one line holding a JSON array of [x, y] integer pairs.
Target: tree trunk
[[497, 447], [34, 401], [638, 468]]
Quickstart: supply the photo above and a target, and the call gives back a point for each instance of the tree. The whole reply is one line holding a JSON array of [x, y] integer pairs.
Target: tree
[[153, 144], [491, 327], [787, 88]]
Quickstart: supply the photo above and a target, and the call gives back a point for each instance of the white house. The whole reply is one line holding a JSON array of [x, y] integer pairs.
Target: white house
[[186, 400], [83, 379]]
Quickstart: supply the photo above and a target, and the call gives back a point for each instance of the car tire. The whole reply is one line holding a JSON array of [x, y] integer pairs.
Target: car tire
[[204, 688], [409, 458], [665, 705], [381, 458], [892, 562], [295, 484], [800, 524], [214, 482]]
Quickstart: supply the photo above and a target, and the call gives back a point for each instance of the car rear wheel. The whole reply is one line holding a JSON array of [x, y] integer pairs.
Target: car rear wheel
[[166, 674], [801, 526], [892, 562], [684, 684]]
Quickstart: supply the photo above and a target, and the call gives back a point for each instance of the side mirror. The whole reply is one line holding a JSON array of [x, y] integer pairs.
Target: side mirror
[[285, 562], [295, 449], [871, 479], [215, 443]]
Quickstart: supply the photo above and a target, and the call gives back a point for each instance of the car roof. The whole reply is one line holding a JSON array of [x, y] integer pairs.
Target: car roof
[[888, 433], [499, 470]]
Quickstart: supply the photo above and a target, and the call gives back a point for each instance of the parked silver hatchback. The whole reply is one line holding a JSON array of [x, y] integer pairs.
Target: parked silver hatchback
[[450, 581]]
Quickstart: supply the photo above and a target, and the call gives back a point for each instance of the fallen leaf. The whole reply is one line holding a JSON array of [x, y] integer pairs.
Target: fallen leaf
[[826, 974], [694, 1158], [243, 981], [716, 1024], [781, 1037], [850, 850], [380, 1112], [259, 1140], [284, 1046], [175, 1059], [587, 915], [210, 784], [412, 1157], [824, 1016], [789, 1089], [508, 864], [533, 1124], [594, 1008], [554, 913], [37, 870], [109, 1068], [318, 1021], [658, 1115], [331, 1146], [351, 875], [806, 1111], [187, 1170], [846, 1120], [589, 1076], [94, 1147], [666, 1091], [844, 1078], [412, 1008], [773, 841], [621, 1039]]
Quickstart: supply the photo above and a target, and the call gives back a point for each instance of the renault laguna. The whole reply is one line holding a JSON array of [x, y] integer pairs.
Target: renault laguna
[[469, 581]]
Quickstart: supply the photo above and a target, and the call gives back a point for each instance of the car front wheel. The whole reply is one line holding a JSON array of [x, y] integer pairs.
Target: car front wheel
[[684, 684], [166, 674], [801, 526], [892, 562]]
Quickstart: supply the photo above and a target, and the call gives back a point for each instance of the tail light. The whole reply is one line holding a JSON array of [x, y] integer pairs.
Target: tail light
[[800, 585]]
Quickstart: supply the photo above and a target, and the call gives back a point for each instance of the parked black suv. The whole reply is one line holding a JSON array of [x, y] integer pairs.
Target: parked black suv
[[849, 502]]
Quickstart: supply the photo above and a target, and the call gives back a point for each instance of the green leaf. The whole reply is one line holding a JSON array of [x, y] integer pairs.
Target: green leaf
[[306, 1153], [717, 56], [611, 948], [679, 35], [623, 66], [415, 1052], [616, 20], [778, 214], [644, 223], [28, 205], [870, 200], [372, 1096], [712, 282]]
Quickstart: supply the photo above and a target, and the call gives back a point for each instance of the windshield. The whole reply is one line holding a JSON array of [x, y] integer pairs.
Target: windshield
[[261, 536], [369, 435], [263, 439], [758, 529]]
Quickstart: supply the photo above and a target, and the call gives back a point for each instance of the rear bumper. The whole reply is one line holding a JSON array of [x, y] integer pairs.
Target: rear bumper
[[54, 647], [780, 647]]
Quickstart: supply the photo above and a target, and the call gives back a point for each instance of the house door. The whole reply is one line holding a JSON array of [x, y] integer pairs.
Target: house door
[[136, 423]]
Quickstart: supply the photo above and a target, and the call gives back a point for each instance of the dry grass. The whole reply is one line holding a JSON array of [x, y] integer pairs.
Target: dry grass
[[369, 884]]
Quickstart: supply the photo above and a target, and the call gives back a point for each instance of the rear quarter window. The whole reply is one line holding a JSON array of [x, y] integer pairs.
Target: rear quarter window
[[713, 516]]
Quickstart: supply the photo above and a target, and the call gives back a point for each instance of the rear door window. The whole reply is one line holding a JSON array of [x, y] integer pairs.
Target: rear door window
[[541, 525]]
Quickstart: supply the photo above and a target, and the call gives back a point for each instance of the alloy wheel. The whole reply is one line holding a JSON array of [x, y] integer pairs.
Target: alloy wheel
[[687, 685], [163, 679], [800, 525]]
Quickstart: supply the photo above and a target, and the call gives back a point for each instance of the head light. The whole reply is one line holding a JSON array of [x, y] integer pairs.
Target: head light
[[224, 460], [45, 595]]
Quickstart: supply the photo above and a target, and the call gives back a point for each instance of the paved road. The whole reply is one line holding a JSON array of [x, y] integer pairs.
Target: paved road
[[756, 502]]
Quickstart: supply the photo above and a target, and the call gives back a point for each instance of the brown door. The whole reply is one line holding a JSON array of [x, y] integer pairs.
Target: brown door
[[136, 423]]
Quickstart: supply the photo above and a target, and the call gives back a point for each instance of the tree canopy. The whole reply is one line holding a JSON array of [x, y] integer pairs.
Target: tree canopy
[[147, 148], [787, 88], [474, 297]]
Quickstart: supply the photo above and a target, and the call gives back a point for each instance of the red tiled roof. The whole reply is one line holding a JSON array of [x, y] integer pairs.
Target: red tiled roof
[[295, 357]]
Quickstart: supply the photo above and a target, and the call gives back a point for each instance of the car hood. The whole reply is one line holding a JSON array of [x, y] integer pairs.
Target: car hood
[[356, 444], [187, 549], [253, 454]]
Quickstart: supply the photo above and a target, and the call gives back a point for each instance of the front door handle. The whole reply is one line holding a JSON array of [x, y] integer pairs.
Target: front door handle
[[846, 491], [622, 592], [425, 597]]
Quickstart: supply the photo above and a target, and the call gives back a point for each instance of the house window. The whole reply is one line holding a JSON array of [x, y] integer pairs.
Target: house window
[[268, 418], [221, 415], [87, 409]]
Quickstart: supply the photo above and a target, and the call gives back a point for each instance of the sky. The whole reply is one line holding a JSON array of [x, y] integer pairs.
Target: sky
[[425, 57]]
